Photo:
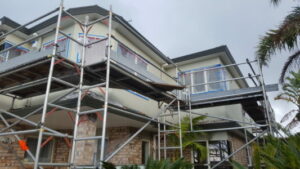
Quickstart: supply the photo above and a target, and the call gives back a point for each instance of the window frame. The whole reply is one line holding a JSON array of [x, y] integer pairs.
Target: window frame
[[205, 74], [208, 160], [8, 44]]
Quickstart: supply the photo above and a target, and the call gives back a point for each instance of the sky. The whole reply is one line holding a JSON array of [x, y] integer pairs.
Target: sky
[[178, 27]]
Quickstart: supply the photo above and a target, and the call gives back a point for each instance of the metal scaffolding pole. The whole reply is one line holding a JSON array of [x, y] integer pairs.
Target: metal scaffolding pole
[[266, 106], [180, 129], [78, 109], [224, 118], [42, 127], [246, 140], [102, 155], [17, 137], [238, 150]]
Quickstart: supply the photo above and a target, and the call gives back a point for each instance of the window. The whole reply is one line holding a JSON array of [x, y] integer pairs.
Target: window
[[62, 43], [131, 56], [218, 150], [2, 55], [200, 80], [197, 157], [46, 151], [145, 151], [11, 53]]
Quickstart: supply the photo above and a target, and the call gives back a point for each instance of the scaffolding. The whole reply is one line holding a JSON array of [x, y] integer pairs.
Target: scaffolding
[[173, 104]]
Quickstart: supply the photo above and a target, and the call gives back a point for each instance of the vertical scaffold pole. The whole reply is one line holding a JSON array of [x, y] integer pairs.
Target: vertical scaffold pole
[[179, 116], [246, 140], [78, 109], [266, 105], [190, 107], [106, 89], [180, 129], [158, 137], [48, 88], [165, 135]]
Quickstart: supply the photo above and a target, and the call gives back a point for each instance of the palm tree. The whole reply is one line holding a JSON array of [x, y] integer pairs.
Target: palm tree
[[285, 37], [278, 153], [189, 139], [291, 93]]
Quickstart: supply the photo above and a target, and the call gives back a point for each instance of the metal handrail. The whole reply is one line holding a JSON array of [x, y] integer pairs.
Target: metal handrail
[[30, 22], [224, 66], [233, 79]]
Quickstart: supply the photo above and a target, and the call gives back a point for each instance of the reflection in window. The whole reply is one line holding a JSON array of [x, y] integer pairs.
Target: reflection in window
[[45, 153], [131, 56], [204, 80], [218, 150]]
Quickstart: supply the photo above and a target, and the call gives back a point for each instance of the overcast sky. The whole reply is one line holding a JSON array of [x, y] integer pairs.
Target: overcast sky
[[180, 27]]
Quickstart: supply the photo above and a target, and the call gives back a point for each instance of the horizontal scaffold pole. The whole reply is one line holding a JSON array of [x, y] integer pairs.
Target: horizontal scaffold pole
[[37, 110], [239, 149]]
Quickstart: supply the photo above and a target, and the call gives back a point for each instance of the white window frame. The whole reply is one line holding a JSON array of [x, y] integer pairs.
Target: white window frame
[[205, 74]]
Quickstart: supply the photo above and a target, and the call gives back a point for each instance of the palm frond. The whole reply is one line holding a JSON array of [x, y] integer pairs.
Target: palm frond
[[294, 123], [287, 116], [275, 2], [292, 62], [282, 38]]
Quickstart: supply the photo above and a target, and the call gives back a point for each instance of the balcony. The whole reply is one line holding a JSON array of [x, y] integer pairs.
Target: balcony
[[128, 70]]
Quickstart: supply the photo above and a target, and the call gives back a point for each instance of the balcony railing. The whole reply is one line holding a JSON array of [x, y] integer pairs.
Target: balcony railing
[[216, 78]]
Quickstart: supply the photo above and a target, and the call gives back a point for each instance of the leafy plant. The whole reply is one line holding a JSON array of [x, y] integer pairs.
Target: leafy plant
[[291, 93], [278, 153], [285, 37], [189, 139], [237, 165]]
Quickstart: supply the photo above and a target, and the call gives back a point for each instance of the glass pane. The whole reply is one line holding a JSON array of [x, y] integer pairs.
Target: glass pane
[[218, 150], [141, 63], [213, 76], [94, 49], [46, 151], [145, 151], [125, 52], [187, 79], [198, 79], [62, 47]]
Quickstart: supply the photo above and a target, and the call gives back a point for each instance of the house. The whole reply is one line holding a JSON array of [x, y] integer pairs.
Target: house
[[143, 82]]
